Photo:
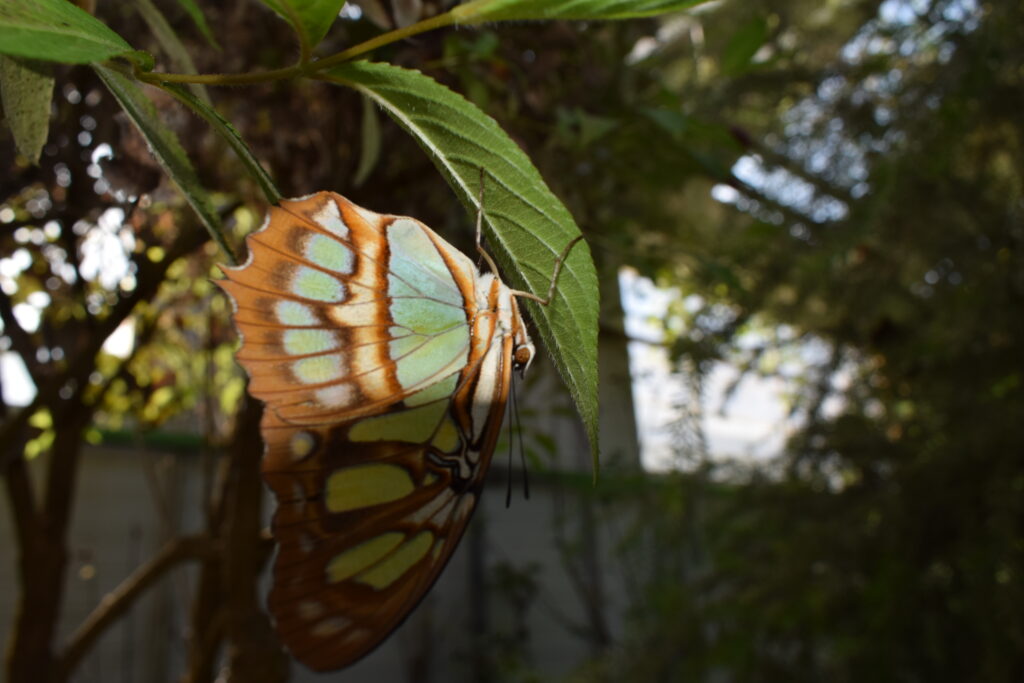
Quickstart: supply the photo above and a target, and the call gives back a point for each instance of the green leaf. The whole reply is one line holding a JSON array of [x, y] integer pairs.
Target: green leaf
[[369, 148], [593, 128], [170, 43], [743, 45], [57, 31], [310, 18], [233, 138], [672, 121], [164, 145], [26, 88], [526, 225], [478, 11], [578, 128], [199, 19]]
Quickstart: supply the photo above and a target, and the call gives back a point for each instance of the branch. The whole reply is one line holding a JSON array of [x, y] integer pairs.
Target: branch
[[115, 603], [22, 497], [610, 332], [21, 341], [791, 215], [794, 167]]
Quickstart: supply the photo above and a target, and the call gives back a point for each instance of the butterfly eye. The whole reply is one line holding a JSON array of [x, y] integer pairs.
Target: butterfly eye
[[521, 357]]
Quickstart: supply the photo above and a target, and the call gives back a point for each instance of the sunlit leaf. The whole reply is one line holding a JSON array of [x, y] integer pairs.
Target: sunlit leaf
[[40, 444], [479, 11], [41, 419], [57, 30], [311, 19], [26, 88]]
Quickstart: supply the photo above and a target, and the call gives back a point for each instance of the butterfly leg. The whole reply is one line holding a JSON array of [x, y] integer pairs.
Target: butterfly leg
[[479, 227], [494, 268], [554, 276]]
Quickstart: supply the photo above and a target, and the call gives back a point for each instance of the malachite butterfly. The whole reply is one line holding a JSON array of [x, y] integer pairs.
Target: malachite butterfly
[[384, 360]]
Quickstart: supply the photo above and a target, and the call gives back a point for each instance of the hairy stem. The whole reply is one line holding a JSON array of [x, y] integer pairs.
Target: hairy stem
[[304, 68]]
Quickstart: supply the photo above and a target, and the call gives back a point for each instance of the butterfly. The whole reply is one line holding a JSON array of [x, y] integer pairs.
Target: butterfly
[[384, 360]]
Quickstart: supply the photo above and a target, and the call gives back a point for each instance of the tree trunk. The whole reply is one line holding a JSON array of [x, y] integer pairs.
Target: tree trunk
[[43, 557], [254, 652]]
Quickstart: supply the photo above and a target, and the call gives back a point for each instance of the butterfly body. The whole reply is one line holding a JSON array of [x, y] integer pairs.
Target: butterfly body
[[384, 360]]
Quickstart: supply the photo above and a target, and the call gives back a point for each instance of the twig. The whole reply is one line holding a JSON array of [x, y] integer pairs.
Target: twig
[[117, 602]]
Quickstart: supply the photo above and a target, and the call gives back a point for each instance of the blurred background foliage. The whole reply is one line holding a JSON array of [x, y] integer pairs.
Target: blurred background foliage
[[844, 176]]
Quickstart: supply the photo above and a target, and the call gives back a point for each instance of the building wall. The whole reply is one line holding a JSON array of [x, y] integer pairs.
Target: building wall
[[127, 502], [530, 587]]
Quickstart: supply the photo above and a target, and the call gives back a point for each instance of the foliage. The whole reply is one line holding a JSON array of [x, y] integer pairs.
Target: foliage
[[876, 185]]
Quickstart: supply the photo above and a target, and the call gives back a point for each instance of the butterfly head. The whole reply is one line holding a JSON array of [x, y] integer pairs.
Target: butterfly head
[[496, 297], [523, 350], [522, 356]]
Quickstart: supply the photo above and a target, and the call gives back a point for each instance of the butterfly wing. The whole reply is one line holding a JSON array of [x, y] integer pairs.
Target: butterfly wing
[[384, 367], [344, 312]]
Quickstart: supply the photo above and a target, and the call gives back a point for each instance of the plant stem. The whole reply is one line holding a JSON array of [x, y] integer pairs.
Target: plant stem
[[307, 68], [440, 21]]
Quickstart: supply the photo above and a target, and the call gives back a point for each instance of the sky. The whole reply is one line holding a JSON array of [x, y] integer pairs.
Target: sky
[[752, 423]]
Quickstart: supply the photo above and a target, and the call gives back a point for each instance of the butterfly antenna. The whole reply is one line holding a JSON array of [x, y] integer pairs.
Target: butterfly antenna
[[511, 442], [518, 426]]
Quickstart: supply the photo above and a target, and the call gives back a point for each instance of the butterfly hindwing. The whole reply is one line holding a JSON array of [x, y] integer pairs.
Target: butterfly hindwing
[[384, 360]]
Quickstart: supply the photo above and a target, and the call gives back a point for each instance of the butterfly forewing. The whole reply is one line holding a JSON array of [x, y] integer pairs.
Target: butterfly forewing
[[384, 360]]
